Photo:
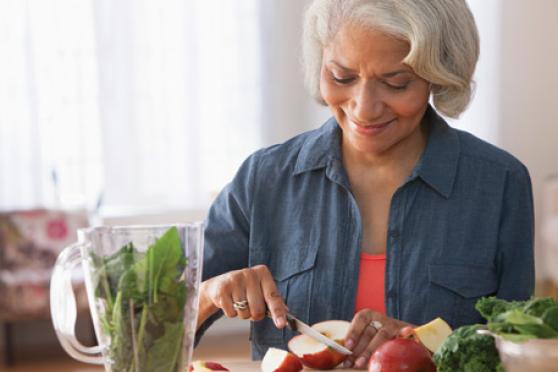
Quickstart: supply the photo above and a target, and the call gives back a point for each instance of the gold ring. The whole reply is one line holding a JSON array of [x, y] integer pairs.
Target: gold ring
[[240, 305]]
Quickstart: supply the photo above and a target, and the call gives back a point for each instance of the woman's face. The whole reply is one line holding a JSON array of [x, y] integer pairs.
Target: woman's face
[[377, 100]]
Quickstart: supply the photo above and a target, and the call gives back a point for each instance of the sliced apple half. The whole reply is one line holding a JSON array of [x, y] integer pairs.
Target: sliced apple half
[[277, 360], [203, 366], [433, 334], [314, 354]]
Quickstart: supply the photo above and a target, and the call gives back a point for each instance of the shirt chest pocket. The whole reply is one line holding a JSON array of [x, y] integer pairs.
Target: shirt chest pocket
[[293, 272], [455, 288]]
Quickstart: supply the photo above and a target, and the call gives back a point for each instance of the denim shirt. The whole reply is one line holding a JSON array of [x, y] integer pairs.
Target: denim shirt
[[460, 227]]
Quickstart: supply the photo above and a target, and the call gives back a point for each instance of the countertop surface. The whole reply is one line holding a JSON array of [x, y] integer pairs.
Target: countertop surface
[[234, 365], [249, 366]]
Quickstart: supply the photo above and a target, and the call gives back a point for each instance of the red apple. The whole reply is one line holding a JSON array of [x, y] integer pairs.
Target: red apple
[[314, 354], [401, 355], [203, 366], [277, 360]]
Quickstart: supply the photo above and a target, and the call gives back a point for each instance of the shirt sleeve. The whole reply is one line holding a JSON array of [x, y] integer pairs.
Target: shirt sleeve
[[516, 266], [227, 230]]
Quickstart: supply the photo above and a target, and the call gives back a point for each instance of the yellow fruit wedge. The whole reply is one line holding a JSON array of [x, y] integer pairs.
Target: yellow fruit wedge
[[433, 334]]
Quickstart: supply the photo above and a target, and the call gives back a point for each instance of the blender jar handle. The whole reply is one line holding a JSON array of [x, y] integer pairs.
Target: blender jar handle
[[63, 307]]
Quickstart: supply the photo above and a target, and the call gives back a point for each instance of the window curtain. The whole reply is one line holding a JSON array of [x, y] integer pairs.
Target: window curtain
[[129, 103]]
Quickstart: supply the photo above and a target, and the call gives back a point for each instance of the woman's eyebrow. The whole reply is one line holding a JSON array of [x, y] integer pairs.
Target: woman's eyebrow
[[384, 75], [393, 73], [340, 65]]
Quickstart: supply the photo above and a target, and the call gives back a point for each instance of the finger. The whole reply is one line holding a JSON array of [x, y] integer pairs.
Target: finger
[[222, 295], [254, 295], [365, 338], [360, 322], [239, 295], [359, 335], [383, 335], [272, 297]]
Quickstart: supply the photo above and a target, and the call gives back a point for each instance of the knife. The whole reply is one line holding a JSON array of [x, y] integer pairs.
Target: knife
[[301, 327]]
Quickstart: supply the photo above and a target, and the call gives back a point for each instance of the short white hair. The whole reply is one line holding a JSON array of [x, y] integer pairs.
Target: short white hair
[[442, 35]]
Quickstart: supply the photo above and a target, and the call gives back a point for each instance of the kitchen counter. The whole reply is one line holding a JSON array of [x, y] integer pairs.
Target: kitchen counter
[[250, 366], [67, 365]]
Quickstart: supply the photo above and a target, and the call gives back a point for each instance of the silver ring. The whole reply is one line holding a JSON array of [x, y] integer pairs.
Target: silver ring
[[376, 325], [240, 305]]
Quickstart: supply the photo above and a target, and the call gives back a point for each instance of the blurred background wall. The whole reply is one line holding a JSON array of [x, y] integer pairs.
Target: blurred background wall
[[528, 118]]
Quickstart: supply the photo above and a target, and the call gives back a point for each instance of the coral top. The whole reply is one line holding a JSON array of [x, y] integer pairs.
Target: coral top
[[370, 291]]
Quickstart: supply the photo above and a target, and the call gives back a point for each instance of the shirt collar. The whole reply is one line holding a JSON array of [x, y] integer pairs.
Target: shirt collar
[[437, 166], [320, 147]]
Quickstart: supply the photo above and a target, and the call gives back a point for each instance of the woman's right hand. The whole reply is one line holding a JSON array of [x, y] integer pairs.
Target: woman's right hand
[[254, 285]]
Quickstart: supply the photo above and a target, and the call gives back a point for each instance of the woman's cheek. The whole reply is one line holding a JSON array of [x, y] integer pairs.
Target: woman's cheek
[[332, 95], [413, 103], [335, 102]]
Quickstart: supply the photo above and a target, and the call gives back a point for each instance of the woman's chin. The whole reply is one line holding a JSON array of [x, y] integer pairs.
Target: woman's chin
[[367, 147]]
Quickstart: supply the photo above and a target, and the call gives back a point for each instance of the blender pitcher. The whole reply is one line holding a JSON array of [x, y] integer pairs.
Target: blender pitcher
[[142, 285]]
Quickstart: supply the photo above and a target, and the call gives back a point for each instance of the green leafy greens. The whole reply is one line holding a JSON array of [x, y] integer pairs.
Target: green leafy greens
[[465, 350], [144, 298], [521, 320]]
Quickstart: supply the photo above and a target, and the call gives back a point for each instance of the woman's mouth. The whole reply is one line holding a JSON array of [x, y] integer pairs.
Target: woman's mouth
[[370, 129]]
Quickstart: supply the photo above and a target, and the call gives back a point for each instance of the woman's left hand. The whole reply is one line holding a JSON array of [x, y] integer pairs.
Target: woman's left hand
[[369, 329]]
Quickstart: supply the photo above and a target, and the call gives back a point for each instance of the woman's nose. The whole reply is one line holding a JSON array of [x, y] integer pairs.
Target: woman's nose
[[368, 104]]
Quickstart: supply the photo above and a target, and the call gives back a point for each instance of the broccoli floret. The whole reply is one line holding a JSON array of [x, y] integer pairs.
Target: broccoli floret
[[465, 350]]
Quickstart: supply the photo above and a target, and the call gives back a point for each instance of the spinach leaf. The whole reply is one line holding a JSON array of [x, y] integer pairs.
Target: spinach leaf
[[144, 296], [164, 259], [163, 356]]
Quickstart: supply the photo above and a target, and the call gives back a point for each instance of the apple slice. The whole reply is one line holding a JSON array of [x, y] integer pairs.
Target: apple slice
[[277, 360], [314, 354], [203, 366], [433, 334]]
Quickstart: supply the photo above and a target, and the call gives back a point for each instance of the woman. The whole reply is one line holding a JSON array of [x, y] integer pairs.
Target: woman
[[385, 213]]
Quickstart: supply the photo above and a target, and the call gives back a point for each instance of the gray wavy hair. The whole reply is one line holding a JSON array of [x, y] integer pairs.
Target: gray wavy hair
[[442, 34]]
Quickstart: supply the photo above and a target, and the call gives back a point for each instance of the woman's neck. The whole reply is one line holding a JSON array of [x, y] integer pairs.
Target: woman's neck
[[398, 161]]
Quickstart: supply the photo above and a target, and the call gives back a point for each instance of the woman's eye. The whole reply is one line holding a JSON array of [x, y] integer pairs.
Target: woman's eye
[[396, 86], [342, 81]]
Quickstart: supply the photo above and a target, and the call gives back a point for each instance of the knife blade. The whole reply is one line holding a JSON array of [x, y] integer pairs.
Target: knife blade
[[301, 327]]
